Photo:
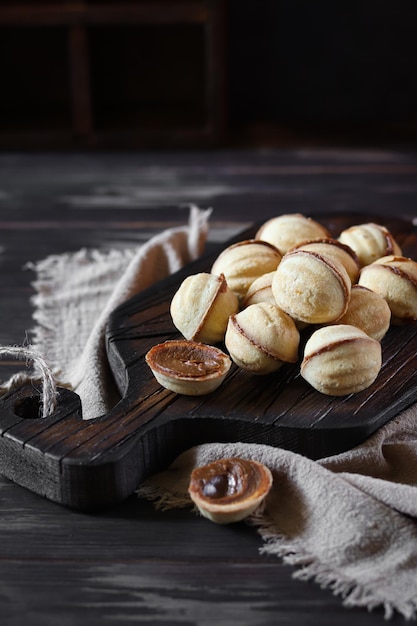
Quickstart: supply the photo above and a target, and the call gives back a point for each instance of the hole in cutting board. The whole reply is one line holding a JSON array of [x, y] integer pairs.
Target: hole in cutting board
[[29, 408]]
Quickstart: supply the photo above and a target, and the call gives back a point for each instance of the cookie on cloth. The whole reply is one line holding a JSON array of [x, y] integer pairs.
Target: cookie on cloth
[[229, 490]]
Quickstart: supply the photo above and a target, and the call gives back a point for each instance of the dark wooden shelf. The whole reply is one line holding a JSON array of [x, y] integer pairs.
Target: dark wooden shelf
[[108, 74]]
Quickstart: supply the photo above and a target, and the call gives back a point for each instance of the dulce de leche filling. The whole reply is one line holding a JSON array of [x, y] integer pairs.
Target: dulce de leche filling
[[394, 265], [333, 345], [186, 359], [228, 481]]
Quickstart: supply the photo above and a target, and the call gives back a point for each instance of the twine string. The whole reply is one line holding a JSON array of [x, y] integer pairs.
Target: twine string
[[49, 399]]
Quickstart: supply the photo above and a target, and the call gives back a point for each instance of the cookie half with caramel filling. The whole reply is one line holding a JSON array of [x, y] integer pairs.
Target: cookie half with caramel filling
[[229, 490], [188, 367]]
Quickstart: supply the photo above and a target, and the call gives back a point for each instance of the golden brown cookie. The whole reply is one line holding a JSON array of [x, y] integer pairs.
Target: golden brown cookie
[[395, 279], [260, 291], [368, 311], [335, 250], [286, 231], [311, 287], [243, 262], [201, 307], [261, 338], [341, 359], [370, 241]]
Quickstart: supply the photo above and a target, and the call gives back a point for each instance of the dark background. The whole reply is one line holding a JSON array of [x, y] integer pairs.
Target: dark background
[[325, 67], [296, 71]]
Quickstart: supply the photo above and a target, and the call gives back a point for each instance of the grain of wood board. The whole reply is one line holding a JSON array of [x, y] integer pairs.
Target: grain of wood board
[[132, 562], [150, 426]]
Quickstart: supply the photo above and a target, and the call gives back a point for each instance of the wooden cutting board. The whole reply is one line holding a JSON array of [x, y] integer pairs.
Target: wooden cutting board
[[93, 464]]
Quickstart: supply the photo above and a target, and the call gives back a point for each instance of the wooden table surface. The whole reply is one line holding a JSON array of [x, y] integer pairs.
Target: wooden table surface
[[132, 564]]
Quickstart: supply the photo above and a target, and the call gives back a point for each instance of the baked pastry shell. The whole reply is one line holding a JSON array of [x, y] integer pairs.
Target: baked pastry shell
[[251, 483], [188, 367]]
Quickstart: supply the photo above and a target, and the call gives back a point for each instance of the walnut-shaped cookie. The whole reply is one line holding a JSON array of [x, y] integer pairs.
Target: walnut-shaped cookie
[[311, 287], [262, 337], [288, 230], [188, 367], [201, 307], [340, 360], [260, 291], [370, 241], [368, 311], [336, 250], [229, 490], [241, 263], [395, 279]]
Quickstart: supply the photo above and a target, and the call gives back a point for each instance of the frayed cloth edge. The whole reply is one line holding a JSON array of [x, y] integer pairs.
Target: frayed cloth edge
[[163, 501], [309, 568], [353, 594]]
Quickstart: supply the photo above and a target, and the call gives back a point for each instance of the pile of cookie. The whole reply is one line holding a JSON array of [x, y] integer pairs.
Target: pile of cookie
[[292, 277]]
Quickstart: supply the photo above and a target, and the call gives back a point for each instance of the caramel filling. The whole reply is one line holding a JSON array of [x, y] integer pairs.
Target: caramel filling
[[186, 359], [389, 239], [396, 269], [330, 242], [228, 480], [332, 345], [251, 340]]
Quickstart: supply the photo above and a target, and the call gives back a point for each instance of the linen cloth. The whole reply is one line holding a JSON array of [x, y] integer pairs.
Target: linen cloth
[[348, 521], [76, 292]]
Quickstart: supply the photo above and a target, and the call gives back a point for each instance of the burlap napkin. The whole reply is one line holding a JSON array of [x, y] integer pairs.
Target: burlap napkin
[[348, 522], [76, 292]]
